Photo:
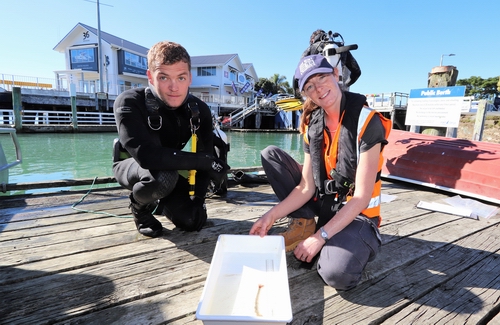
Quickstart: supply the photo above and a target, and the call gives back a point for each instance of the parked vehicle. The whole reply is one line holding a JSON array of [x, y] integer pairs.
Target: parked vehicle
[[271, 101]]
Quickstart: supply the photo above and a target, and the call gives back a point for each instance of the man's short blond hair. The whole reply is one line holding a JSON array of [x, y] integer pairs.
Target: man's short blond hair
[[168, 53]]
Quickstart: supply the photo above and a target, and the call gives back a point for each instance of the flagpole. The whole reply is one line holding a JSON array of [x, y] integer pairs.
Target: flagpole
[[99, 50]]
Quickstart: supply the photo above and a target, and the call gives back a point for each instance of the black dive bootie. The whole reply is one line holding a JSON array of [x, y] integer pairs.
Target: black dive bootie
[[146, 224]]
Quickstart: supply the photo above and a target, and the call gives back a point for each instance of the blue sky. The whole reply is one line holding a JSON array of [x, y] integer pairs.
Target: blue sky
[[399, 41]]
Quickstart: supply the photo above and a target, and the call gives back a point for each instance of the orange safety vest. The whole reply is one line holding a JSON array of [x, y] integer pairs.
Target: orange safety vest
[[333, 159]]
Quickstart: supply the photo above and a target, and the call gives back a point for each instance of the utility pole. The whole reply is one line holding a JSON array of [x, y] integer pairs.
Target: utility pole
[[99, 49], [100, 57]]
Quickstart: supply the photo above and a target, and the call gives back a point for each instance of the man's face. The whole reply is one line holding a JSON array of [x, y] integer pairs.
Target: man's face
[[171, 82]]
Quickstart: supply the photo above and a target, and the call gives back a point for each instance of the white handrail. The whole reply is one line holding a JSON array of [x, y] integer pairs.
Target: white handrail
[[39, 117], [13, 136]]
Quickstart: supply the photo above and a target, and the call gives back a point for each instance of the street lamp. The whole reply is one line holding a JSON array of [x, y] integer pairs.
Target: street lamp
[[441, 62], [100, 51]]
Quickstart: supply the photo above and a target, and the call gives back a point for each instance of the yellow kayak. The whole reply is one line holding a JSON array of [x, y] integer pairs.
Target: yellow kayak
[[289, 104]]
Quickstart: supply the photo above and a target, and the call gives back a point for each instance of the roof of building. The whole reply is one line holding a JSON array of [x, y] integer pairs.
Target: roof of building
[[212, 59], [201, 60], [115, 40], [112, 40]]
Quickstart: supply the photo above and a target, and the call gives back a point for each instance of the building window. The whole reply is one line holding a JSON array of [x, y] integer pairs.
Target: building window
[[241, 78], [206, 71], [136, 61], [131, 63], [232, 75], [85, 59]]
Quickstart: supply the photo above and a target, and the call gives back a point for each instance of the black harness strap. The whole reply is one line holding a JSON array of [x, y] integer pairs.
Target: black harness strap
[[192, 107], [155, 119], [152, 105]]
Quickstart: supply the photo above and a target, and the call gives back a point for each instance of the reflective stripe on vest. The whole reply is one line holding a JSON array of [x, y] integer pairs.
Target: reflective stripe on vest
[[373, 208], [364, 116]]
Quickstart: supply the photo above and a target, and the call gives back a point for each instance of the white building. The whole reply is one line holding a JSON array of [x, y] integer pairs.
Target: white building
[[222, 81]]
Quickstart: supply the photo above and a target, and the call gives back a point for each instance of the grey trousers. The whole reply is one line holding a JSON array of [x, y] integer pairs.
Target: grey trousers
[[346, 254]]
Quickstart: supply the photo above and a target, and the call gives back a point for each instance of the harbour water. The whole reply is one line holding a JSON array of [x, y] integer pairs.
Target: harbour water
[[59, 156]]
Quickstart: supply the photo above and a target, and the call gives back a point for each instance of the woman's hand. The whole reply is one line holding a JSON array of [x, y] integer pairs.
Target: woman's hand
[[262, 225], [307, 249]]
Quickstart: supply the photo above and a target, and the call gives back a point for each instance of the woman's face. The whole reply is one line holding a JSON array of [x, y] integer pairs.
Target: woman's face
[[323, 90]]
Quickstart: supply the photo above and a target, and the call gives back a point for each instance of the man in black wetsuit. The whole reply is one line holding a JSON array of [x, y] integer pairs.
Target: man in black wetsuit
[[154, 124]]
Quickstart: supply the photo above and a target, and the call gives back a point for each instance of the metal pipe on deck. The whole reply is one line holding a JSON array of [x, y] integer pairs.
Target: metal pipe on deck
[[17, 107]]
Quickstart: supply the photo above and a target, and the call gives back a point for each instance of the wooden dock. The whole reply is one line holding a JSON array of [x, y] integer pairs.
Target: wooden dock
[[59, 265]]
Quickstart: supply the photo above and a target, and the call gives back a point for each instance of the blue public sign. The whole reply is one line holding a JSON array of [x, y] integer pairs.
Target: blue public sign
[[455, 91]]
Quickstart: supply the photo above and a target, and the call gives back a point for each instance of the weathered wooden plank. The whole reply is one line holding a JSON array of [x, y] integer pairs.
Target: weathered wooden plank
[[415, 223], [47, 199], [51, 208], [302, 292], [67, 233], [60, 183], [250, 207], [33, 228], [494, 318], [91, 239], [402, 249], [385, 293], [160, 308], [105, 207], [102, 286], [133, 279], [89, 181], [69, 250], [116, 276], [93, 232], [464, 299], [86, 222]]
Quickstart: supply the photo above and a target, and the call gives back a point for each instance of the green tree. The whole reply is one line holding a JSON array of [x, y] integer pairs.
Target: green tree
[[280, 84], [266, 85], [274, 85], [478, 87]]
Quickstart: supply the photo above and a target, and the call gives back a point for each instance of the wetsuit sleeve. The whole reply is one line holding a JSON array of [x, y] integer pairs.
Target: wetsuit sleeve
[[146, 149], [374, 133]]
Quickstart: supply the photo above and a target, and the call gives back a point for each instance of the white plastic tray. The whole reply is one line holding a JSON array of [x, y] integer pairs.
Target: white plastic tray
[[247, 282]]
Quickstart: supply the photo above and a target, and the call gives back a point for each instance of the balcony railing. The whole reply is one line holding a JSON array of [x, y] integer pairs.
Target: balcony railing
[[36, 117], [8, 81]]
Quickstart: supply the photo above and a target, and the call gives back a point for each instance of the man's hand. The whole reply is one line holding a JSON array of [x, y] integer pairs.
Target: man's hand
[[218, 169]]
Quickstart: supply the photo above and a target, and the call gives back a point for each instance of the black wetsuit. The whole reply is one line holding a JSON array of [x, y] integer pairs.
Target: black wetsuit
[[156, 156]]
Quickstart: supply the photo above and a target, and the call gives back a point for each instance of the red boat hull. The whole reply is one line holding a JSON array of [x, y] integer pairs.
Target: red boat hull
[[470, 168]]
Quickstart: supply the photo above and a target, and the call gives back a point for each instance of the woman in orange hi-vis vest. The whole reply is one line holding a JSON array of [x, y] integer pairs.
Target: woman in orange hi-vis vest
[[339, 180]]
